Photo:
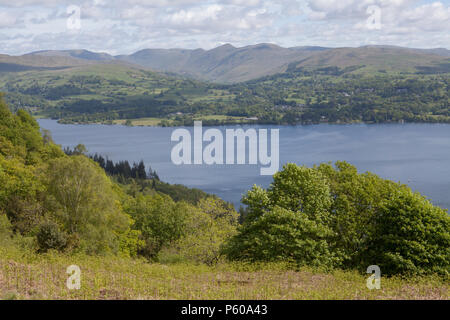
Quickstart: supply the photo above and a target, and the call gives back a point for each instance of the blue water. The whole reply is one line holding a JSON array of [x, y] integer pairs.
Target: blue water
[[414, 154]]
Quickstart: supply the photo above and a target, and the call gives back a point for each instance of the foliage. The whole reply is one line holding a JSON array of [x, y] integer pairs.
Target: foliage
[[193, 233], [20, 194], [283, 235], [410, 236], [83, 200], [63, 202], [50, 236], [207, 229], [6, 231], [335, 217], [161, 221], [304, 95]]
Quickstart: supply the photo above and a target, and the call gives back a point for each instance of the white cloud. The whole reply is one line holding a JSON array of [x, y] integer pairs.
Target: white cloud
[[122, 26]]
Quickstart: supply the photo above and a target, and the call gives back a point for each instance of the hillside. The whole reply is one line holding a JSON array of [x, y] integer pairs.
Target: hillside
[[367, 84], [113, 278], [228, 64], [223, 64], [377, 59], [78, 54], [313, 235]]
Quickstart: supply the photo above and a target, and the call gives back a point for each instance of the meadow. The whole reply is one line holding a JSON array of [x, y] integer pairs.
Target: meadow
[[32, 276]]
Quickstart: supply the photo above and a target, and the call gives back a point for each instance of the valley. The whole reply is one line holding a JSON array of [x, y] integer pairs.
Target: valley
[[310, 85]]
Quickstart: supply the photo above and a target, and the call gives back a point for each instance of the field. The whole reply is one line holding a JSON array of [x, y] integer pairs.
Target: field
[[152, 122], [44, 277], [140, 122]]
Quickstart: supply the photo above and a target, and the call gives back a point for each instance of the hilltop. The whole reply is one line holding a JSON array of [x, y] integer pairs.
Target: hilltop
[[229, 64]]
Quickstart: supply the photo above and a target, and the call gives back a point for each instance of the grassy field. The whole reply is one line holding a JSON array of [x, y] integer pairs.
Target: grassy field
[[152, 122], [30, 276], [140, 122]]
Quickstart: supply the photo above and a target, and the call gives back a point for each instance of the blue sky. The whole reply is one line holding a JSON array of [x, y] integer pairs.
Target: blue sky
[[125, 26]]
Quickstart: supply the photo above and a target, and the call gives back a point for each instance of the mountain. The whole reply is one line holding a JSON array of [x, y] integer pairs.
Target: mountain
[[78, 54], [377, 58], [229, 64], [55, 60], [223, 64], [37, 62]]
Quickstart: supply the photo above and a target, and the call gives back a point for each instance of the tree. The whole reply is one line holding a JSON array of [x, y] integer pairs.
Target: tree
[[283, 235], [84, 201], [411, 236], [208, 226], [20, 195], [288, 222], [334, 217], [356, 199], [141, 172], [160, 220]]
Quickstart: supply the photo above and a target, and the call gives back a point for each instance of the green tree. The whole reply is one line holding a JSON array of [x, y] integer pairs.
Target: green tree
[[160, 220], [21, 193], [83, 199], [410, 236], [283, 235], [288, 222], [208, 226], [356, 200], [334, 217]]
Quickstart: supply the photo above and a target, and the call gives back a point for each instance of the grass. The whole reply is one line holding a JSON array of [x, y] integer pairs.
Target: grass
[[152, 122], [220, 118], [32, 276], [141, 122]]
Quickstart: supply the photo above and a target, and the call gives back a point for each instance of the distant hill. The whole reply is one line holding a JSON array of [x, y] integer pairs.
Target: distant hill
[[31, 61], [228, 64], [223, 64], [377, 58], [286, 85], [79, 54]]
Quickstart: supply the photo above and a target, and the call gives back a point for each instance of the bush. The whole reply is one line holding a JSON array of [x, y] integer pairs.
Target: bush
[[334, 217], [5, 229], [208, 227], [160, 220], [411, 236], [50, 236], [283, 235]]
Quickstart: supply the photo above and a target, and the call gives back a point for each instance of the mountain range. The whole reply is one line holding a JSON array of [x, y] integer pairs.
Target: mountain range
[[229, 64]]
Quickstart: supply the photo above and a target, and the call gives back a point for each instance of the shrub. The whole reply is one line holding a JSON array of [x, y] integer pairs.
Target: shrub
[[283, 235], [334, 217], [50, 236], [160, 220], [411, 236], [5, 228], [208, 227]]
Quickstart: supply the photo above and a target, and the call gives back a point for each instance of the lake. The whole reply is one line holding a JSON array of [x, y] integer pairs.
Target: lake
[[414, 154]]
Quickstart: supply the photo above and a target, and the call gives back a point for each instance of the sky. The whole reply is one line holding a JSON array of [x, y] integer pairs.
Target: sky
[[126, 26]]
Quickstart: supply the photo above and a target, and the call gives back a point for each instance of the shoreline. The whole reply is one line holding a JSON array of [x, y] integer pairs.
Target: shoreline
[[207, 123]]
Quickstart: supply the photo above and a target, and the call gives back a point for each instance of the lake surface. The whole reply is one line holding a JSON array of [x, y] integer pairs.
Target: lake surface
[[414, 154]]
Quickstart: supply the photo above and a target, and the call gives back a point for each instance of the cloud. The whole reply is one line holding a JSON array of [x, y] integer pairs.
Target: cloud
[[122, 26], [7, 20]]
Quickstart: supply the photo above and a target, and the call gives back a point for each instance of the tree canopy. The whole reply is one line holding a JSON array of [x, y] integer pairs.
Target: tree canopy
[[334, 217]]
